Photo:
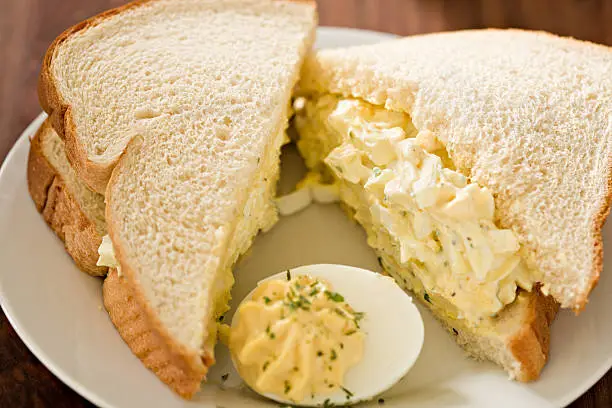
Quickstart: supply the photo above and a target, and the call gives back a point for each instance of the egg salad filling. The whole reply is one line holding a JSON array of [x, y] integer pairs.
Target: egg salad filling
[[259, 215], [400, 183], [296, 338]]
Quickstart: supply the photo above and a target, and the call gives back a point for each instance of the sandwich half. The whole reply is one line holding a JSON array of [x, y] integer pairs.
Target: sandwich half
[[68, 206], [176, 110], [479, 164]]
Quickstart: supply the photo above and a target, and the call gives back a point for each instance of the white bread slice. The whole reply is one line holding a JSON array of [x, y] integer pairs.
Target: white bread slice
[[202, 90], [525, 114], [69, 207], [96, 130]]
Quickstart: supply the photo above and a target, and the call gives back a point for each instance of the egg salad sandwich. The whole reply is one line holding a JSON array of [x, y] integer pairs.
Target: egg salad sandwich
[[72, 210], [479, 164], [175, 112]]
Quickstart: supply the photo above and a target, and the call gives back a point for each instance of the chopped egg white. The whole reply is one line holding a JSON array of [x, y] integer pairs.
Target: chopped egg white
[[107, 255], [308, 190]]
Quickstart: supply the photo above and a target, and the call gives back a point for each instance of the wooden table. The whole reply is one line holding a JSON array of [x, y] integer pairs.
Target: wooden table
[[28, 26]]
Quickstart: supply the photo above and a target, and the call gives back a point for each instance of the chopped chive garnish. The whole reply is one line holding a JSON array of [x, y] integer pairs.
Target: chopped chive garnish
[[347, 392], [266, 300], [333, 355], [335, 296], [287, 387], [328, 404]]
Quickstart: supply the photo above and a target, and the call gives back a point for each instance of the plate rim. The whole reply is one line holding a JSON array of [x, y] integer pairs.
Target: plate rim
[[580, 389]]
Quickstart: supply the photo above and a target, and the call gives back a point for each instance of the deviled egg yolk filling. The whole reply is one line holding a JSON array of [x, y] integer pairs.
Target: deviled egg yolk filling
[[296, 338]]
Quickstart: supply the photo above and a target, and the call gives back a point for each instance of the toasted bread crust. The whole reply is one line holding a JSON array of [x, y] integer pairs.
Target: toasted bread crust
[[61, 211], [180, 370], [530, 345], [95, 175]]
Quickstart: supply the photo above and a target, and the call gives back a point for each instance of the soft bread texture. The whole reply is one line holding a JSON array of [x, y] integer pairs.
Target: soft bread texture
[[526, 114], [69, 207], [183, 103], [86, 101]]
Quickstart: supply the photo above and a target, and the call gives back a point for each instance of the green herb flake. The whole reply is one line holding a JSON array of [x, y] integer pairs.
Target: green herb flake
[[426, 297], [349, 394], [288, 274], [342, 346], [265, 366], [334, 296], [270, 333], [328, 404], [319, 353], [287, 387], [350, 332], [333, 355], [220, 318], [314, 291], [266, 300]]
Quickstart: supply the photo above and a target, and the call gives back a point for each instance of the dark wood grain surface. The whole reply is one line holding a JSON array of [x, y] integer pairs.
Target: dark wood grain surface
[[28, 26]]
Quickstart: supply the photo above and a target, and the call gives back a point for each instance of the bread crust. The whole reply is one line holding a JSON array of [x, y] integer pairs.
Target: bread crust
[[177, 367], [60, 210], [531, 343], [94, 174], [182, 369], [598, 253]]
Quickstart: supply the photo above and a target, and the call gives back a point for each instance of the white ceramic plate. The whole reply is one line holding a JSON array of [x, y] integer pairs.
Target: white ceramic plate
[[58, 311]]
